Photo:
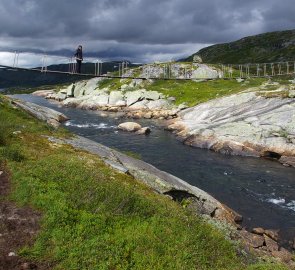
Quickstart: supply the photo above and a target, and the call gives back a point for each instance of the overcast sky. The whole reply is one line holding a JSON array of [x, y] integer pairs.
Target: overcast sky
[[137, 30]]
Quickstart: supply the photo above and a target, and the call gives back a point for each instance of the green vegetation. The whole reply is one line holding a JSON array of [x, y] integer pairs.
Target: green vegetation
[[264, 48], [193, 93], [189, 92], [96, 218]]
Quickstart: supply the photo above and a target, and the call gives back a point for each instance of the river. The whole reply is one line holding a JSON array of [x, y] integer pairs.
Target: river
[[263, 191]]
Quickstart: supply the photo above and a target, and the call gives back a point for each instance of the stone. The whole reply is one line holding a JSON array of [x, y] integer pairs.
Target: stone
[[61, 96], [42, 93], [129, 126], [273, 234], [116, 97], [121, 103], [259, 231], [79, 89], [291, 94], [182, 107], [197, 59], [11, 254], [1, 172], [144, 131], [204, 72], [283, 254], [289, 161], [140, 105], [158, 104], [252, 240], [148, 115], [133, 97], [91, 85], [239, 80], [28, 266], [242, 124], [171, 99], [152, 95], [271, 244]]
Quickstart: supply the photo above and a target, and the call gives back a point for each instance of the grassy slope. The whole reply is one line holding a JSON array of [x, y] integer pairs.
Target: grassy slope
[[96, 218], [264, 48]]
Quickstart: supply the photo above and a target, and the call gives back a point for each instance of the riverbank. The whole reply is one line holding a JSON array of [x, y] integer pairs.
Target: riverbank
[[35, 168], [256, 118]]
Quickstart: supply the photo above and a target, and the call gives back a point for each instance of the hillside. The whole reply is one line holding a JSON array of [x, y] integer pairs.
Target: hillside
[[268, 47]]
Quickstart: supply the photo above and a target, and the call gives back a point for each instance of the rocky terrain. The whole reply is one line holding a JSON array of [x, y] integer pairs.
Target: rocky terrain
[[254, 123], [259, 121]]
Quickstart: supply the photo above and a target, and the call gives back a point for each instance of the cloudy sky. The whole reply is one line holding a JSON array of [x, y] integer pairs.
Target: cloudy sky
[[137, 30]]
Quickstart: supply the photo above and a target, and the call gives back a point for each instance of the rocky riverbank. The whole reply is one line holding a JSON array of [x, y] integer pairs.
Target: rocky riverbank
[[255, 123]]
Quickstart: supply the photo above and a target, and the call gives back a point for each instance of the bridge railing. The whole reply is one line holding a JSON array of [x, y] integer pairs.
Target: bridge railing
[[166, 70]]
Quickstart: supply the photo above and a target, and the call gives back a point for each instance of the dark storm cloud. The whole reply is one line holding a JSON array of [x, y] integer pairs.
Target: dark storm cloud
[[137, 29]]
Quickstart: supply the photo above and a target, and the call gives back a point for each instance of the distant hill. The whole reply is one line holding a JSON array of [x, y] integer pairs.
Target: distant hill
[[269, 47]]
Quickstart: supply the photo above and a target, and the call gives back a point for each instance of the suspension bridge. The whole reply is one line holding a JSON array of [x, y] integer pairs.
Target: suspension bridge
[[45, 63]]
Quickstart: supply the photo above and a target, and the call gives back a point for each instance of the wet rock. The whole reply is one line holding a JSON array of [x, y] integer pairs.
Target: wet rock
[[259, 231], [144, 131], [287, 161], [129, 126]]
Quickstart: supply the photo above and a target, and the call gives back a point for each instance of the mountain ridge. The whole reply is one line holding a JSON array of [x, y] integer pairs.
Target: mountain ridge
[[278, 46]]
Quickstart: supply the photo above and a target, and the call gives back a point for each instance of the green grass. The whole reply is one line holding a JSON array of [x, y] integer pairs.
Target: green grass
[[193, 93], [96, 218]]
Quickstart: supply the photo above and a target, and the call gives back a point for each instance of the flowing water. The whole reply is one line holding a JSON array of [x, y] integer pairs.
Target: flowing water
[[263, 191]]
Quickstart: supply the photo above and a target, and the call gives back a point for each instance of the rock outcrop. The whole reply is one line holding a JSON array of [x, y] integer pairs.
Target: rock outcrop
[[135, 102], [241, 124], [51, 117]]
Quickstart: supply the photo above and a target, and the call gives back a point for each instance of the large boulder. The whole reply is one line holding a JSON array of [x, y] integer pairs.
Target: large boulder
[[70, 90], [129, 126], [79, 89], [116, 97], [205, 72], [152, 95], [91, 85], [134, 96]]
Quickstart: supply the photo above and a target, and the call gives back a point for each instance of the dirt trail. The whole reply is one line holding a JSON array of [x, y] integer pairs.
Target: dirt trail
[[18, 227]]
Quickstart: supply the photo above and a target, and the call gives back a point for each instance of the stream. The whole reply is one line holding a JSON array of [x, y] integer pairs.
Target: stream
[[261, 190]]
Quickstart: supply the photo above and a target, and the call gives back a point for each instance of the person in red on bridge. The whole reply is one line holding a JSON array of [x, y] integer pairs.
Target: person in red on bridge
[[79, 58]]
